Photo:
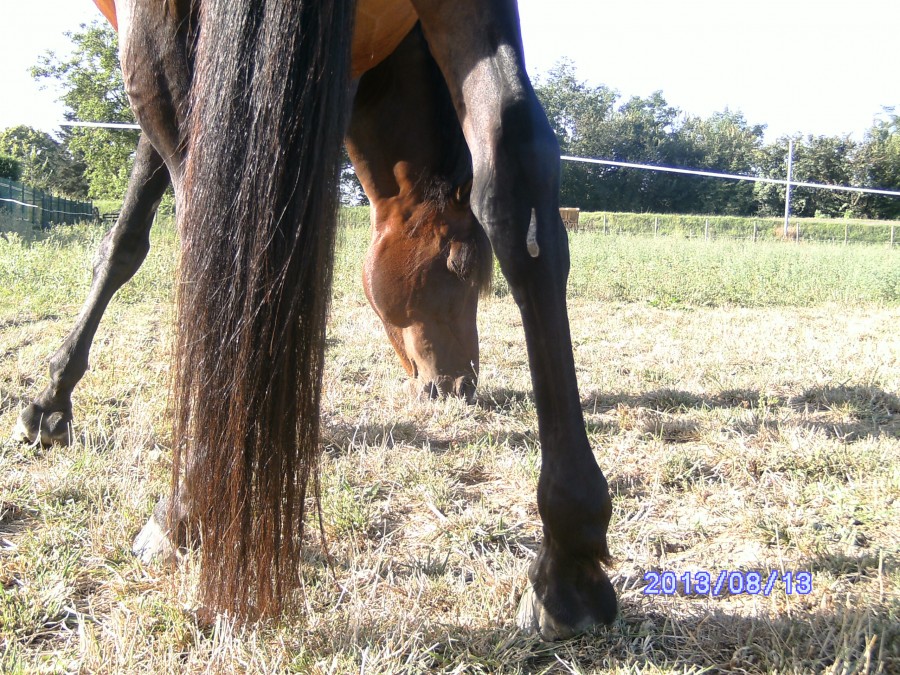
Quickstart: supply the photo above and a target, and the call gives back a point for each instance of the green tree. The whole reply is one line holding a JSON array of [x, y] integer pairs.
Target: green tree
[[10, 168], [92, 89], [588, 123], [648, 131], [45, 162], [828, 160], [591, 122], [578, 114], [878, 166], [726, 143]]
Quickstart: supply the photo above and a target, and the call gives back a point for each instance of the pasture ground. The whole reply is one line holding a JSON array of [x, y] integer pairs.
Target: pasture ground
[[742, 402]]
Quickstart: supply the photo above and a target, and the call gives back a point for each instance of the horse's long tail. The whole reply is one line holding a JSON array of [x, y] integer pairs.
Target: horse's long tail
[[257, 230]]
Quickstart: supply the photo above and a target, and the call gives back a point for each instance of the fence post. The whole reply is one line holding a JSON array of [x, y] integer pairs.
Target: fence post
[[892, 235], [706, 233], [605, 226], [846, 232], [755, 226], [656, 226], [787, 187]]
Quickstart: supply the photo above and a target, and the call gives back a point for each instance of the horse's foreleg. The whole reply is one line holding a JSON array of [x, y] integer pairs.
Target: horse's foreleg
[[121, 253], [515, 197]]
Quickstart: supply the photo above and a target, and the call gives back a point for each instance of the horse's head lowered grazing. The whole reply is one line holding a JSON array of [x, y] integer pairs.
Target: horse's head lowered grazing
[[429, 257]]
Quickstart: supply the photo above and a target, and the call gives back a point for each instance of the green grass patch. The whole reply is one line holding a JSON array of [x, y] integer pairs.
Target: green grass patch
[[830, 230], [741, 400], [669, 271]]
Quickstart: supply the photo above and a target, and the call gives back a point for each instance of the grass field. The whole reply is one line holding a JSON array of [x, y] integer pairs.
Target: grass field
[[747, 228], [742, 401]]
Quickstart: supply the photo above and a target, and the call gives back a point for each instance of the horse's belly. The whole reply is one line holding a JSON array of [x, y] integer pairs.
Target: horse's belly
[[380, 26], [108, 7]]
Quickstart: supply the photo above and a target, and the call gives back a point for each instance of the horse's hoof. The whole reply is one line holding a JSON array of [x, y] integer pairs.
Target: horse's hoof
[[566, 595], [35, 424], [153, 544], [533, 619]]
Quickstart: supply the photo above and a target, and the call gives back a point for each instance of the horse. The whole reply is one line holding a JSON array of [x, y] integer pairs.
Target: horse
[[427, 263], [243, 105]]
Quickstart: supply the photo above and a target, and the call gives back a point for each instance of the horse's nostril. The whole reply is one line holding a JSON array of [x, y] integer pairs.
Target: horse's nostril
[[442, 387]]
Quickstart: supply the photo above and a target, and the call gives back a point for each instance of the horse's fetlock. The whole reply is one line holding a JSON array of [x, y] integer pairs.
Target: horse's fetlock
[[576, 514]]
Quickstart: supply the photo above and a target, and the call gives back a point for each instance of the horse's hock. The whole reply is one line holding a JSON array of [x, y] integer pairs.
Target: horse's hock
[[569, 217]]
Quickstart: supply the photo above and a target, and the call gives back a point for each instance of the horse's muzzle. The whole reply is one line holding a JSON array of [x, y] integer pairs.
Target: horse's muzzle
[[462, 387]]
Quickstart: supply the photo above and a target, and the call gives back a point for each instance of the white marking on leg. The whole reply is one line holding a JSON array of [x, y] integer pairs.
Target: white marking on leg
[[533, 249], [21, 434]]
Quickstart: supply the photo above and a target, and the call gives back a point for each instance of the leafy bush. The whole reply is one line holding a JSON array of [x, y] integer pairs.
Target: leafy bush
[[10, 168]]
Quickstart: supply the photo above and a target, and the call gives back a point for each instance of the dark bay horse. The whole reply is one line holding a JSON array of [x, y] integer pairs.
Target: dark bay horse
[[242, 106]]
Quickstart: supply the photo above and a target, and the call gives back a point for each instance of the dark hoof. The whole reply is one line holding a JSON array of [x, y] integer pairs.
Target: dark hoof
[[572, 602], [49, 426]]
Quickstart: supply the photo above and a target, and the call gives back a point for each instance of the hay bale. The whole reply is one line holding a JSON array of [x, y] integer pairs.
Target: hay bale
[[569, 217]]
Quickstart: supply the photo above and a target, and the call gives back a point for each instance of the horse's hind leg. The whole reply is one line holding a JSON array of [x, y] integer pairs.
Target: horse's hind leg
[[515, 197], [121, 253]]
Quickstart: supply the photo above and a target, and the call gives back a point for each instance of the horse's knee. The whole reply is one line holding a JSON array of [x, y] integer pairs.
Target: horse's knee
[[122, 251], [515, 194]]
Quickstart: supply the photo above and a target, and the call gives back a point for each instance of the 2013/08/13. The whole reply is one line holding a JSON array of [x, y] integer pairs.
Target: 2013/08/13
[[731, 582]]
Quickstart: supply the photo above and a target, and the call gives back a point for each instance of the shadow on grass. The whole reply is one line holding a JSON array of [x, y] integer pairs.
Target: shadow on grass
[[341, 438], [18, 321], [10, 401], [650, 636], [863, 411]]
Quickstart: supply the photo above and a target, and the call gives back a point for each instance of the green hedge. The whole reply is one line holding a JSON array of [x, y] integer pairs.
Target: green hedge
[[740, 227], [10, 168]]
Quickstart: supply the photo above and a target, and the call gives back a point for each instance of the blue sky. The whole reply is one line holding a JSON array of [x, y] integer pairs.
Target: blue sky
[[821, 67]]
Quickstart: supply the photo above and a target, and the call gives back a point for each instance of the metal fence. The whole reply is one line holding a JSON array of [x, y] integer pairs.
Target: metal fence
[[836, 231], [40, 208]]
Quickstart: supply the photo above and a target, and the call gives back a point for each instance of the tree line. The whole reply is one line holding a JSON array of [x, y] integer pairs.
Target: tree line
[[78, 162], [590, 121]]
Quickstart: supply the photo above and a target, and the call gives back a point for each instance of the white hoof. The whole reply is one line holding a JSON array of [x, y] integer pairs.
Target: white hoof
[[533, 619], [153, 544], [21, 434]]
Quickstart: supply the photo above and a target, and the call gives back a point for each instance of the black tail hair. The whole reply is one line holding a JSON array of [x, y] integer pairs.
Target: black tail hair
[[258, 227]]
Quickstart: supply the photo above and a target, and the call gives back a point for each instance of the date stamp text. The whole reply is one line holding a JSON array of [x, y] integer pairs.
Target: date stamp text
[[727, 582]]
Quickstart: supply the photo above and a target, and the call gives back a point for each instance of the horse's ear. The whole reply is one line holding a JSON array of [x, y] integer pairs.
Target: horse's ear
[[461, 193]]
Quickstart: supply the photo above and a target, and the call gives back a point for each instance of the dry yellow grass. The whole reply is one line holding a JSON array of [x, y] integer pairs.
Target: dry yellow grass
[[732, 438]]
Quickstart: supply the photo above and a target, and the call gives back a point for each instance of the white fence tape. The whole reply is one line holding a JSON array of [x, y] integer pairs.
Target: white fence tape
[[608, 162]]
